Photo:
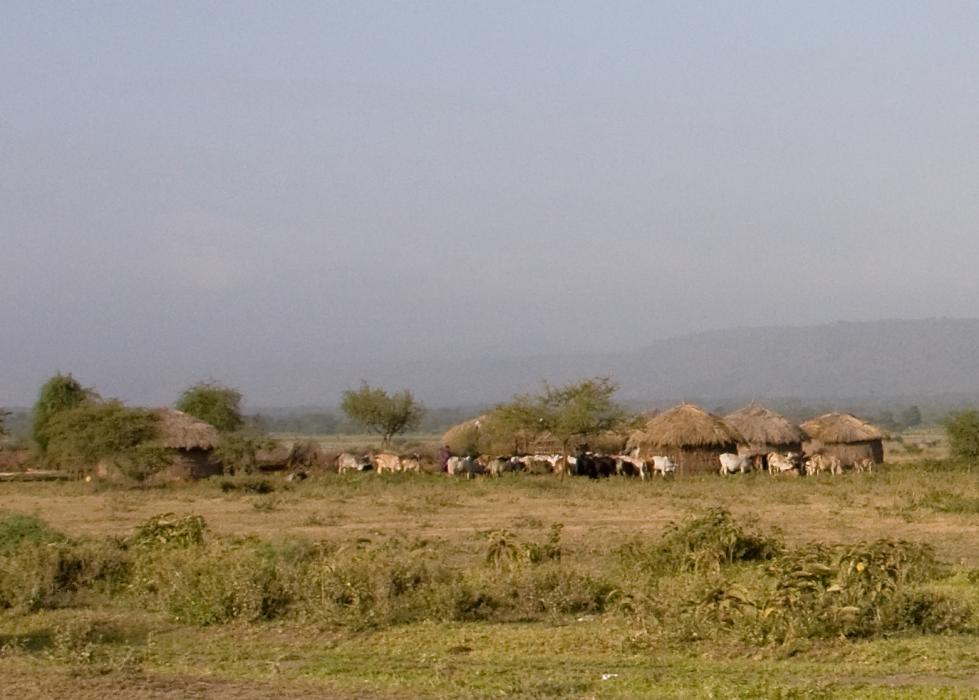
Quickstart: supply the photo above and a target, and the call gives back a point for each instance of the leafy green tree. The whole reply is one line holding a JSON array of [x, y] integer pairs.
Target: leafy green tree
[[962, 429], [386, 415], [573, 414], [81, 437], [213, 403], [60, 393], [238, 452]]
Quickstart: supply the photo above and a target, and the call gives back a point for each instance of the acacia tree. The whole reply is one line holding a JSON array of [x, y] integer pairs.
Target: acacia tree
[[575, 413], [386, 415], [213, 403], [59, 394]]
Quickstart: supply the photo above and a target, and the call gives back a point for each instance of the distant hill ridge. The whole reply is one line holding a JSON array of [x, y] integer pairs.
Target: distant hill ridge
[[846, 359]]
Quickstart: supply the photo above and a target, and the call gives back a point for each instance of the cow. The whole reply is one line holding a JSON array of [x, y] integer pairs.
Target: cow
[[347, 462], [605, 465], [732, 464], [502, 465], [386, 462], [819, 463], [471, 467], [627, 465], [584, 465], [864, 465], [663, 465], [453, 465], [411, 464], [778, 463]]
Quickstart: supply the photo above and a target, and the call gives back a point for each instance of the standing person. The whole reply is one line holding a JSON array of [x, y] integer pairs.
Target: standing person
[[444, 454]]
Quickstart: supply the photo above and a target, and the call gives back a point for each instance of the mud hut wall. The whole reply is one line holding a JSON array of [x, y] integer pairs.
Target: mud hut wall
[[702, 460], [763, 449], [848, 453], [691, 460]]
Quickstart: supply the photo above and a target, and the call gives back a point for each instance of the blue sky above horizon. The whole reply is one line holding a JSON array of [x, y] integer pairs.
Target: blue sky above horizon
[[194, 189]]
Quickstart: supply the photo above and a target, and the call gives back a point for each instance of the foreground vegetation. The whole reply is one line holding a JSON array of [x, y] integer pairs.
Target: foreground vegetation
[[422, 586]]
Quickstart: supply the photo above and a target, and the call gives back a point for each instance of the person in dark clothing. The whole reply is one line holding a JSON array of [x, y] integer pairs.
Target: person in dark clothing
[[444, 454]]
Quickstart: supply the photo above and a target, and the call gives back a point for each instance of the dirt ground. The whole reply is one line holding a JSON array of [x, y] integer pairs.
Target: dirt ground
[[22, 682], [848, 508]]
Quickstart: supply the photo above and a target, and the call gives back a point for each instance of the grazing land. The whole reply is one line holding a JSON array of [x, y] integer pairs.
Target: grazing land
[[403, 586]]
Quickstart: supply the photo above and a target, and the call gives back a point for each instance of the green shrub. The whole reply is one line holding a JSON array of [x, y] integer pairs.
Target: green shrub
[[213, 403], [48, 575], [699, 544], [16, 528], [169, 530], [926, 612], [80, 437], [220, 584]]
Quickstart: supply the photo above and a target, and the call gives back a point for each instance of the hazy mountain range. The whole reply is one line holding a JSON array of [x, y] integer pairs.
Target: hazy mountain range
[[865, 360]]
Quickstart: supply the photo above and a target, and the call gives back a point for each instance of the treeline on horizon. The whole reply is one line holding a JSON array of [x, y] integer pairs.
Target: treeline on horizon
[[313, 420]]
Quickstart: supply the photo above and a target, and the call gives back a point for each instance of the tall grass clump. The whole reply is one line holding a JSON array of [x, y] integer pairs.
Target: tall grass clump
[[38, 575], [700, 544]]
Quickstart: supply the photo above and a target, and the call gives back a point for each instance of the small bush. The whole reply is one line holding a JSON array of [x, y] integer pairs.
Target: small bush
[[169, 530], [48, 575], [699, 544], [16, 528], [926, 612], [221, 584]]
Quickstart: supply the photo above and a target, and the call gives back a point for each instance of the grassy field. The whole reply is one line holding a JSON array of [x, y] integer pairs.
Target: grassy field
[[408, 586]]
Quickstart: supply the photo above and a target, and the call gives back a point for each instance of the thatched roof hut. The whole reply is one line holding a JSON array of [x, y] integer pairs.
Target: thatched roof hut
[[764, 431], [476, 436], [191, 441], [690, 435], [845, 436]]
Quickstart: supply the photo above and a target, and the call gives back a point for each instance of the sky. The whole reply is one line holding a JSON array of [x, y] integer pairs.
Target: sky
[[275, 194]]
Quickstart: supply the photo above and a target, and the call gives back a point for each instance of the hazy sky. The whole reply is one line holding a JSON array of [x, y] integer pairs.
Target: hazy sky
[[261, 192]]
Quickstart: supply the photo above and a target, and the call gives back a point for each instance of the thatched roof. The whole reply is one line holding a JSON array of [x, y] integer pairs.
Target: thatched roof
[[761, 426], [686, 426], [836, 428], [180, 431], [460, 431]]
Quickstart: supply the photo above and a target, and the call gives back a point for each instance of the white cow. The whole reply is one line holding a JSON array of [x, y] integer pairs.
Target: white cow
[[819, 463], [347, 462], [465, 466], [663, 465], [782, 463], [732, 464], [502, 465], [636, 466], [864, 465], [386, 462]]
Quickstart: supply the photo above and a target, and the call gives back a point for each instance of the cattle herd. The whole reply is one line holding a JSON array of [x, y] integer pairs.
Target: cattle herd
[[596, 466]]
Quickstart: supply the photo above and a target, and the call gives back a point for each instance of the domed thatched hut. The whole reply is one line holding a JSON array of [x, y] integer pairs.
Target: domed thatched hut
[[190, 441], [690, 435], [764, 431], [476, 436], [845, 436]]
